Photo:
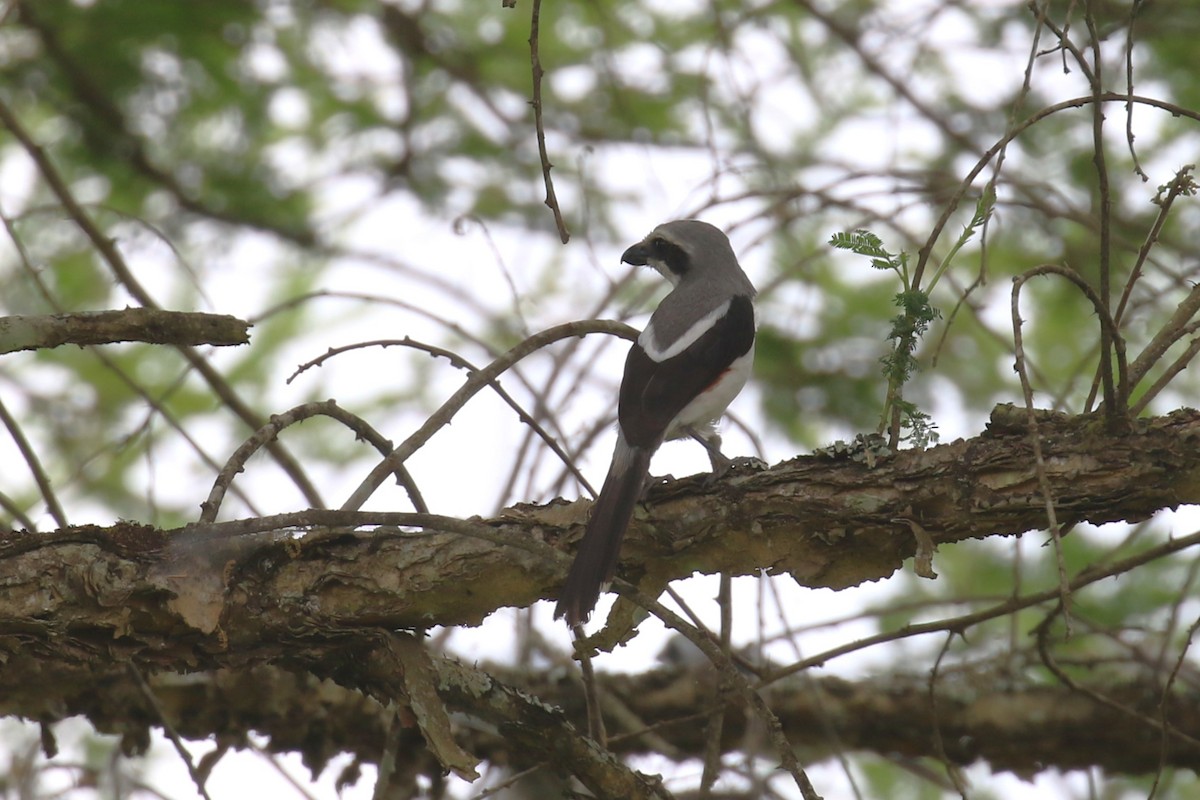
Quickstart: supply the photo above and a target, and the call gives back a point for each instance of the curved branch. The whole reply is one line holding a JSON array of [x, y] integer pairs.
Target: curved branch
[[474, 384], [270, 432], [460, 363], [1106, 324], [1078, 102]]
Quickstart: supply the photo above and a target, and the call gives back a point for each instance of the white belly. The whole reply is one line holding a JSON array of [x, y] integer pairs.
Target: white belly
[[708, 407]]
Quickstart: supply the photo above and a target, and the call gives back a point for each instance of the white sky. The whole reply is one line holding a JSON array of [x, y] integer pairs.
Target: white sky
[[668, 184]]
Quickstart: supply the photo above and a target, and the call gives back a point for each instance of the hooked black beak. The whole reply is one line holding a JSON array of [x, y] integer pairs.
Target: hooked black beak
[[638, 255]]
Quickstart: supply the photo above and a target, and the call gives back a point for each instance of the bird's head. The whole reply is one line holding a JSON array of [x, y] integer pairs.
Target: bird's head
[[683, 250]]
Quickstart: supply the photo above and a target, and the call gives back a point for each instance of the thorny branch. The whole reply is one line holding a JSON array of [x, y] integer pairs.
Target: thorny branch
[[536, 102], [475, 383]]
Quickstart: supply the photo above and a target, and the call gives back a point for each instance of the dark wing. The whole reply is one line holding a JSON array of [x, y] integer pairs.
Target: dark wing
[[654, 392]]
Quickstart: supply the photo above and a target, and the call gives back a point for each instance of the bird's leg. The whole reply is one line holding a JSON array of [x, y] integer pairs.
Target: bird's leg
[[712, 443], [722, 464]]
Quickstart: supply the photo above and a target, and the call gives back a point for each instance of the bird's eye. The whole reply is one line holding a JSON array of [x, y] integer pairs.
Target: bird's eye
[[669, 254]]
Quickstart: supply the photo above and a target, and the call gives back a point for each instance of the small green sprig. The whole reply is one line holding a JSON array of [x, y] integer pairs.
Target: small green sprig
[[899, 364]]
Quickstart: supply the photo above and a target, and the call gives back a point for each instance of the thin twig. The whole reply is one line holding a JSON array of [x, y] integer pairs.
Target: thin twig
[[560, 360], [1178, 326], [155, 404], [551, 199], [738, 683], [926, 250], [469, 389], [270, 432], [1163, 703], [1084, 578], [591, 691], [460, 363], [1176, 367], [507, 783], [1182, 183], [1134, 8], [1036, 441], [716, 718], [18, 514], [148, 693], [1115, 401], [939, 747], [35, 466], [460, 227], [1164, 727], [537, 390], [1124, 379]]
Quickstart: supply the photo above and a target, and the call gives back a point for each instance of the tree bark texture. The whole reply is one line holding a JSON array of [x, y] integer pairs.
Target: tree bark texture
[[320, 592]]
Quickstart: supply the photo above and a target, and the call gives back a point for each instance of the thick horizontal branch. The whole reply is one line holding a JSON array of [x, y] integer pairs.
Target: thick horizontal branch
[[1014, 725], [310, 589], [151, 325], [829, 523]]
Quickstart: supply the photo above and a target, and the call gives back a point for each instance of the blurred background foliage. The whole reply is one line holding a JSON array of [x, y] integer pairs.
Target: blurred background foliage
[[343, 170]]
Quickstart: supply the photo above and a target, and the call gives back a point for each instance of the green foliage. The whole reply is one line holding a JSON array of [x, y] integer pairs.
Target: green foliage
[[908, 327], [865, 243], [231, 148]]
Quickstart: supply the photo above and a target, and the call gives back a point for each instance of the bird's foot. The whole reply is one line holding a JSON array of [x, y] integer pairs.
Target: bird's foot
[[724, 466], [658, 480]]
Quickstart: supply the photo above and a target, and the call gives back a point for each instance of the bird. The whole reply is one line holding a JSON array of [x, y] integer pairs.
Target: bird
[[692, 359]]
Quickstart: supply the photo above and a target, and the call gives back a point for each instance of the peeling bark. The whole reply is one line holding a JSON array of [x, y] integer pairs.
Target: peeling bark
[[1012, 723], [313, 591]]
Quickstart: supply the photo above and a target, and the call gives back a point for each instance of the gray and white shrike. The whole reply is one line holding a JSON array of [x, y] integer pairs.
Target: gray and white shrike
[[685, 368]]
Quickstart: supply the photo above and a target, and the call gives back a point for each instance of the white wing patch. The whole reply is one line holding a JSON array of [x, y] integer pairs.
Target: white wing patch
[[649, 338]]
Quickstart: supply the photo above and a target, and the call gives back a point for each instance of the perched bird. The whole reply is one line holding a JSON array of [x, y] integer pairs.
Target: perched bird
[[685, 368]]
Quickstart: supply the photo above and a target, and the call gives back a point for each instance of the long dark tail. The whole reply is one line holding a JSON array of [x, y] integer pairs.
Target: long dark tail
[[596, 560]]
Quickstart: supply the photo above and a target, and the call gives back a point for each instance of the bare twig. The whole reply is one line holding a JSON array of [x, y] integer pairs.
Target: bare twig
[[1164, 704], [473, 385], [716, 718], [460, 227], [536, 102], [738, 683], [460, 363], [952, 770], [1178, 326], [1181, 184], [1177, 366], [561, 361], [1124, 377], [591, 692], [18, 514], [926, 250], [964, 622], [1036, 441], [1164, 727], [508, 782], [169, 729], [1134, 8], [156, 404], [270, 432], [1115, 400], [35, 466]]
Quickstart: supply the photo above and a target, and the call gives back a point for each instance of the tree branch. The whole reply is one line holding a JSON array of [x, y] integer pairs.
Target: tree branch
[[1016, 725], [80, 604], [152, 325]]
